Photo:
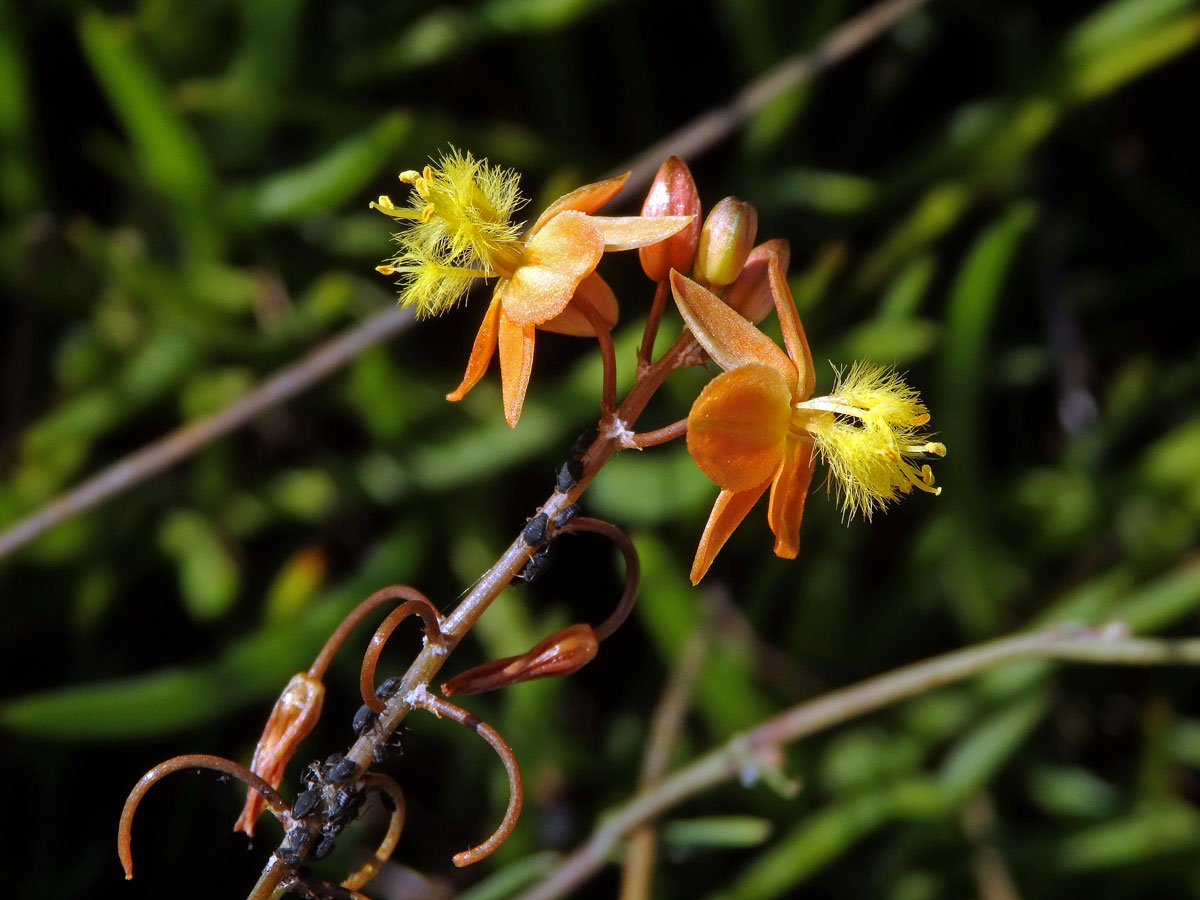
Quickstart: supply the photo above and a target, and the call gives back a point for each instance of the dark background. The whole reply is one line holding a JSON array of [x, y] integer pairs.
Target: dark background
[[998, 198]]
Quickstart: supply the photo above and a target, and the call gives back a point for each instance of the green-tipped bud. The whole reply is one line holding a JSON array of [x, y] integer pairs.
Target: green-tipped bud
[[673, 193], [750, 293], [725, 241]]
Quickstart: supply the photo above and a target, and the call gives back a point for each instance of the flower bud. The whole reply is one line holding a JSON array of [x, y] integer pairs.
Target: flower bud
[[725, 242], [295, 713], [750, 293], [562, 653], [673, 193]]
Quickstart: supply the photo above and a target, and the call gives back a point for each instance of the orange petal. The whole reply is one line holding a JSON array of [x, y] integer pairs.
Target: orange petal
[[788, 492], [594, 290], [793, 330], [727, 513], [729, 339], [516, 362], [556, 261], [631, 232], [738, 426], [586, 199], [484, 347]]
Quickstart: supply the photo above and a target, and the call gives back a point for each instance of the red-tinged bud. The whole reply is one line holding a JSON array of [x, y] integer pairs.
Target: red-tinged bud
[[750, 293], [562, 653], [673, 193], [295, 713], [725, 241]]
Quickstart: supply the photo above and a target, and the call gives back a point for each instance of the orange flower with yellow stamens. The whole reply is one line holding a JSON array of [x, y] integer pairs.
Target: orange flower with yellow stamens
[[756, 426], [460, 230]]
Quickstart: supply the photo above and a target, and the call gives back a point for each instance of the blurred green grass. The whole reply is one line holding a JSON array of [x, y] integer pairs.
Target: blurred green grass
[[999, 198]]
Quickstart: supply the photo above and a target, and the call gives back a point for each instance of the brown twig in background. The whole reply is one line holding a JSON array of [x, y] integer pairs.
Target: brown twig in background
[[181, 443], [992, 876], [742, 755], [665, 726]]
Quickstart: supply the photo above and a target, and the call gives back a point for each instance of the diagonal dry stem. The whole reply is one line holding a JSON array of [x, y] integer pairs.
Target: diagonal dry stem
[[1108, 645]]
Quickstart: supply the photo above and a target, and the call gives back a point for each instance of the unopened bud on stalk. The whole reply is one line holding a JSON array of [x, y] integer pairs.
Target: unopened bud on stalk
[[673, 193], [566, 651], [725, 242]]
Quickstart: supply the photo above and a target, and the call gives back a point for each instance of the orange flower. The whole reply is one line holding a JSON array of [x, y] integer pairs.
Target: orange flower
[[740, 427], [552, 285], [755, 426], [459, 227]]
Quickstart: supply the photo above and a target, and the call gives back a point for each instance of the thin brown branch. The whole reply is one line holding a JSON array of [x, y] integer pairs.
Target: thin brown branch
[[516, 790], [278, 805], [992, 876], [416, 603], [645, 439], [132, 470], [608, 356], [360, 612], [743, 755], [646, 350]]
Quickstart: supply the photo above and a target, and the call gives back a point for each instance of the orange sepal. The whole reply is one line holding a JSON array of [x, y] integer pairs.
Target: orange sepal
[[293, 717], [555, 262], [790, 325], [484, 347], [631, 232], [738, 426], [516, 364], [788, 493], [727, 513], [572, 321], [729, 339], [586, 199]]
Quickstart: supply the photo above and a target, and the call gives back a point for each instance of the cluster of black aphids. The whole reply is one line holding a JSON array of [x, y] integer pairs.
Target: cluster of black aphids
[[347, 801], [537, 529]]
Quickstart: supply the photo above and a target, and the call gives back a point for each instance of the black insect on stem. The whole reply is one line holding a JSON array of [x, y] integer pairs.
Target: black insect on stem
[[390, 748], [535, 530], [538, 564], [568, 475], [343, 770], [583, 442], [566, 514], [363, 719], [306, 803]]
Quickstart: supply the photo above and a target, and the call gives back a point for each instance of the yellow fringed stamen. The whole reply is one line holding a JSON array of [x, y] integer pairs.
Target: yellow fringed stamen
[[866, 431], [460, 229]]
